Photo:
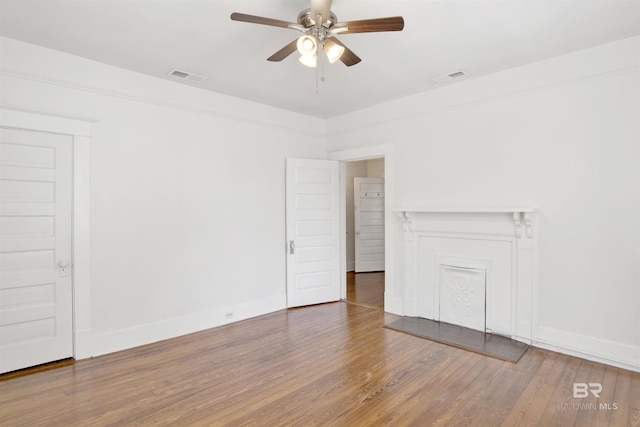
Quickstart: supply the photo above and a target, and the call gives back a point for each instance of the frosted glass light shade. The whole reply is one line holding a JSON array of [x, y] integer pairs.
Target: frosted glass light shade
[[333, 50], [309, 60], [307, 45]]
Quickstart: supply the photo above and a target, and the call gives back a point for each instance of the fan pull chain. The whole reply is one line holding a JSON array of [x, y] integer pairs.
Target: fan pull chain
[[321, 59], [320, 69]]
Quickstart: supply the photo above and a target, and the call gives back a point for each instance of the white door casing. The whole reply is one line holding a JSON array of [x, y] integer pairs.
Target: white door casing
[[313, 231], [369, 224], [36, 311]]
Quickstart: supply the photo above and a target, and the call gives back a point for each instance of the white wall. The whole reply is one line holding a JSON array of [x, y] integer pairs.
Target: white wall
[[187, 193], [375, 168], [561, 135]]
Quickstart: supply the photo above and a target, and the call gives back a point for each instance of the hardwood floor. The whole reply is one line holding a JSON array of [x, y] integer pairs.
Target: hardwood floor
[[366, 288], [330, 365]]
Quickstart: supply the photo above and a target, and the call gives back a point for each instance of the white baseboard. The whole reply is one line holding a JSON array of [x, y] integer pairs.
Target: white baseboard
[[351, 266], [608, 352], [598, 350], [82, 344], [153, 332]]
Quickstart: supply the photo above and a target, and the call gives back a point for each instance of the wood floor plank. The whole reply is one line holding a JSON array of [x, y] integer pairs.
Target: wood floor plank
[[634, 400], [366, 289], [405, 387], [607, 377], [560, 403], [326, 365], [621, 396], [499, 403]]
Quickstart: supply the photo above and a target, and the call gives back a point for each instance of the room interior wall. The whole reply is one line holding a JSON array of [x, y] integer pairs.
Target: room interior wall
[[560, 135], [375, 168], [171, 237], [187, 193]]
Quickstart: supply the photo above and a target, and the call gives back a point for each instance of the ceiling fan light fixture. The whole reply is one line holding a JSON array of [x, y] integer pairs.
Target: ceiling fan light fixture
[[333, 50], [319, 25], [307, 45], [309, 60]]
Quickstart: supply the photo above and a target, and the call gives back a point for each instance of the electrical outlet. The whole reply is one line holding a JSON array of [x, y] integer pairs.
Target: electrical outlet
[[228, 315]]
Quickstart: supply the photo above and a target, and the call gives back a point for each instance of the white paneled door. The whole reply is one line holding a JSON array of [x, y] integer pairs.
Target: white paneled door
[[313, 232], [369, 223], [35, 248]]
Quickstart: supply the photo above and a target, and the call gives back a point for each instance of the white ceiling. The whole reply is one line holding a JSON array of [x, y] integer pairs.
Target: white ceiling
[[480, 37]]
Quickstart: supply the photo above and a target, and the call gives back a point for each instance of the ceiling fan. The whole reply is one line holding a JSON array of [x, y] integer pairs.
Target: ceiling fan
[[319, 27]]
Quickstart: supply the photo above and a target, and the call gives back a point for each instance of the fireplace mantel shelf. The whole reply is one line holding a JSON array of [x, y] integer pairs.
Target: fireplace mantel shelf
[[445, 209], [522, 217]]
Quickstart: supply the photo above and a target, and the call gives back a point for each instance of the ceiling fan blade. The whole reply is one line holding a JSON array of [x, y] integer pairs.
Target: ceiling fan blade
[[243, 17], [348, 58], [320, 7], [395, 23], [284, 52]]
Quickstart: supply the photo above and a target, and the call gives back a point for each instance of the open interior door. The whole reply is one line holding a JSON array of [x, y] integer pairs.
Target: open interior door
[[36, 297], [313, 232]]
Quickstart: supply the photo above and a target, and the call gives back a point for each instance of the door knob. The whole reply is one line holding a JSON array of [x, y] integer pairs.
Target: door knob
[[63, 270]]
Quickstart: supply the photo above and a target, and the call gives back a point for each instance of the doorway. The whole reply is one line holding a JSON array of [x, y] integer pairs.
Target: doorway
[[393, 293], [365, 232], [80, 131]]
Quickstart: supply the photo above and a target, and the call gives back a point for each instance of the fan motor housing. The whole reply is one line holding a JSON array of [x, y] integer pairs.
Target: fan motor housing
[[306, 20]]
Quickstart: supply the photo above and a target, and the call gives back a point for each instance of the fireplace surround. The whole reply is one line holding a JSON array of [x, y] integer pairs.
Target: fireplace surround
[[474, 267]]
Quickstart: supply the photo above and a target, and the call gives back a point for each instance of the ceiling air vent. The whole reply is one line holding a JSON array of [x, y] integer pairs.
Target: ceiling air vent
[[185, 75], [450, 76]]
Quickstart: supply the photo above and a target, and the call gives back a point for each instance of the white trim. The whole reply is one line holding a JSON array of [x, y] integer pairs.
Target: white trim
[[163, 103], [598, 350], [82, 246], [467, 209], [385, 150], [80, 130], [342, 200], [363, 153], [605, 61], [18, 118], [123, 339]]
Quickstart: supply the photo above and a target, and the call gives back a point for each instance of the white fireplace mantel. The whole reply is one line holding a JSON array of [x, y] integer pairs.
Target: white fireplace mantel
[[501, 238], [521, 216], [449, 209]]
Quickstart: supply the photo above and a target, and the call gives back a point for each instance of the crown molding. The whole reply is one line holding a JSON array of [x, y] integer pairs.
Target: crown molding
[[398, 116], [154, 101]]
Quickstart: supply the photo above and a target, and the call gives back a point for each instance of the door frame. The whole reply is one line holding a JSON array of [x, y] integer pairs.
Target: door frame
[[80, 131], [392, 297]]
